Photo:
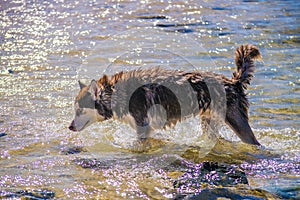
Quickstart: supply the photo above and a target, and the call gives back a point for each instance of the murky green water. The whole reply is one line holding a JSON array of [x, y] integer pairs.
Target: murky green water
[[46, 46]]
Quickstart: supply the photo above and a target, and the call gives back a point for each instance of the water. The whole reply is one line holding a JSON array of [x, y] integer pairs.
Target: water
[[47, 46]]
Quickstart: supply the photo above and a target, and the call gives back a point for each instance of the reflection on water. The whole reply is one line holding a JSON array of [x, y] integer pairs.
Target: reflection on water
[[47, 46]]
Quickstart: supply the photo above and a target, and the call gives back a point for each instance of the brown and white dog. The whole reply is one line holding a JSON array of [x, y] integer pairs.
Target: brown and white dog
[[131, 96]]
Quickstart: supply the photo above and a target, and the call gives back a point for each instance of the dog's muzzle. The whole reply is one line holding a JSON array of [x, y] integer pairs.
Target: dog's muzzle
[[72, 127]]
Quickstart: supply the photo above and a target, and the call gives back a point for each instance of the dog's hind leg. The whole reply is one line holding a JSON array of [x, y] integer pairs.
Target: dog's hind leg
[[241, 127]]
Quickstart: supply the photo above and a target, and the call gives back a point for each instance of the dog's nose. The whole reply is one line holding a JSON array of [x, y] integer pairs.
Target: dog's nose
[[72, 128]]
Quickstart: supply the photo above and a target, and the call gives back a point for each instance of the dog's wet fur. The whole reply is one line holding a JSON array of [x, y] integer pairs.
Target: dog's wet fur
[[174, 95]]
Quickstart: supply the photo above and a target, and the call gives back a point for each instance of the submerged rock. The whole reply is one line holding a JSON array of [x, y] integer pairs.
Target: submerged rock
[[40, 194], [181, 24], [2, 134], [71, 150], [226, 193], [212, 180], [212, 173], [153, 17], [93, 163]]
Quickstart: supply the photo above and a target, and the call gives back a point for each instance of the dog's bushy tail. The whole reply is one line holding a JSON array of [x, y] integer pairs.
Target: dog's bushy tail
[[244, 60]]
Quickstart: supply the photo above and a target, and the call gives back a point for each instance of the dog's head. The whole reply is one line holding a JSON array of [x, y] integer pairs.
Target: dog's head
[[92, 104]]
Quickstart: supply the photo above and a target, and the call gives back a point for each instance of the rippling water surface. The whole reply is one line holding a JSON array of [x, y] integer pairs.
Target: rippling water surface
[[46, 46]]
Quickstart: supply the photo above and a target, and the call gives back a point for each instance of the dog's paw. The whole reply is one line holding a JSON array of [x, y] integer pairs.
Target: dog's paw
[[147, 145]]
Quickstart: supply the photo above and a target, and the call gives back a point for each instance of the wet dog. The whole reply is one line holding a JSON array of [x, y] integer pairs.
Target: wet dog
[[154, 98]]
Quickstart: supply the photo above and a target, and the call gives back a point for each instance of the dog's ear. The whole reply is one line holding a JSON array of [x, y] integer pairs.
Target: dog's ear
[[94, 89], [104, 81], [81, 85]]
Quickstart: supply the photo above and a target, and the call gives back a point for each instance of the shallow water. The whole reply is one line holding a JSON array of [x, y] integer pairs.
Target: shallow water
[[47, 46]]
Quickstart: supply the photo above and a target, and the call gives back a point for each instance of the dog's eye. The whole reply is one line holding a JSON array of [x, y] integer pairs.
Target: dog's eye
[[79, 111]]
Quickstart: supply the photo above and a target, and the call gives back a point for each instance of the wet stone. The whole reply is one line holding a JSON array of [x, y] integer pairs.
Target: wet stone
[[184, 30], [93, 163], [224, 33], [212, 180], [289, 192], [7, 194], [2, 134], [211, 173], [181, 30], [71, 150], [153, 17], [180, 24], [39, 194], [219, 8], [218, 193]]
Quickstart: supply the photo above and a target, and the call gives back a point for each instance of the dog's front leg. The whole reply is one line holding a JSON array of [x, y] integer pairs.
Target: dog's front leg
[[143, 132], [143, 128]]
